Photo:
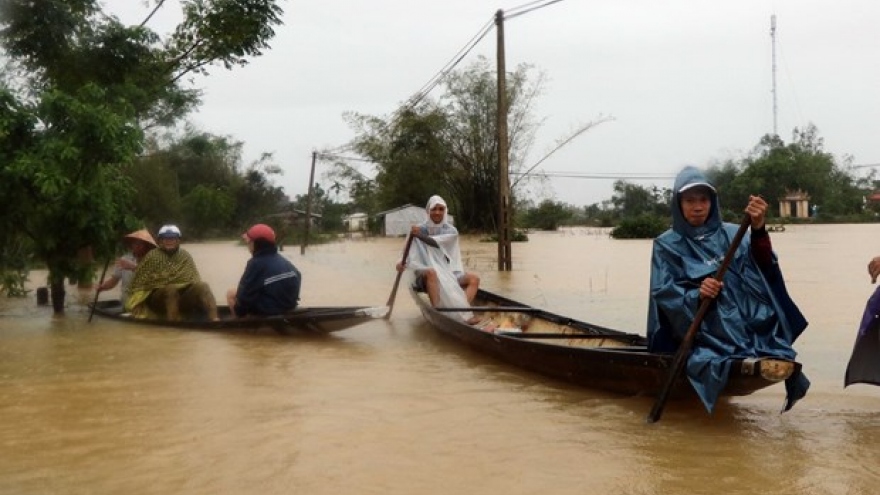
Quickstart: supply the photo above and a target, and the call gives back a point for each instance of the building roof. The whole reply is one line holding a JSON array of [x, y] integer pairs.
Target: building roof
[[408, 205]]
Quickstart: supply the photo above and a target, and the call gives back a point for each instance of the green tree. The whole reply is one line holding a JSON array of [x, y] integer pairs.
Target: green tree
[[83, 87], [449, 146], [411, 155], [207, 208], [177, 165], [361, 190], [775, 168], [633, 200], [549, 215]]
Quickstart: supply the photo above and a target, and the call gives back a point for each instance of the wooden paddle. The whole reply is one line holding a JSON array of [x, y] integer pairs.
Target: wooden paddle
[[427, 240], [97, 292], [393, 295], [684, 350]]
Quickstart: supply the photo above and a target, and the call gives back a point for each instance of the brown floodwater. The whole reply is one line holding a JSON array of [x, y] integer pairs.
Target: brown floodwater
[[392, 408]]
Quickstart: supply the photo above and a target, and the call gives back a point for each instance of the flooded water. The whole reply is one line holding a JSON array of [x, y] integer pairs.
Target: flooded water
[[391, 408]]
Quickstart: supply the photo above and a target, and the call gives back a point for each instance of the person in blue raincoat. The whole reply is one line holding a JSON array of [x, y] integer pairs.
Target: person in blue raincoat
[[752, 314]]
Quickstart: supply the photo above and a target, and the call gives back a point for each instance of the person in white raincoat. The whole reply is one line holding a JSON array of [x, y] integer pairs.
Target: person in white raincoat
[[434, 266]]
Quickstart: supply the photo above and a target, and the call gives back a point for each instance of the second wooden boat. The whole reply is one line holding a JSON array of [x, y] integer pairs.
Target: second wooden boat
[[579, 352]]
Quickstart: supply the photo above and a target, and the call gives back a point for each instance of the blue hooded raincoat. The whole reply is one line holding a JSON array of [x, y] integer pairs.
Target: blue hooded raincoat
[[753, 315]]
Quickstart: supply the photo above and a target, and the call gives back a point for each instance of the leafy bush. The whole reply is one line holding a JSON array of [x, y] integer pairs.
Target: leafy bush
[[515, 236], [640, 227]]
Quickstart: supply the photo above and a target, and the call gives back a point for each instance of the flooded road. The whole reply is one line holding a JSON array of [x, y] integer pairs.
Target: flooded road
[[392, 408]]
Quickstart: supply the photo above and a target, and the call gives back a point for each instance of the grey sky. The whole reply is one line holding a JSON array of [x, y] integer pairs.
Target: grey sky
[[687, 81]]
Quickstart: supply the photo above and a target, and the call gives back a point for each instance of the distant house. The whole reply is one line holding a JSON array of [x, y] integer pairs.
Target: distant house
[[398, 221], [290, 217], [794, 204], [356, 222]]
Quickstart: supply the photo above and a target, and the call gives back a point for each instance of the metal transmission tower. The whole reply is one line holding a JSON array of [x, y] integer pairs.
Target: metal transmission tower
[[773, 50]]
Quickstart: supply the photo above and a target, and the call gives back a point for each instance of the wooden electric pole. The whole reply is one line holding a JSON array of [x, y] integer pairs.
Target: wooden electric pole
[[504, 255], [308, 223]]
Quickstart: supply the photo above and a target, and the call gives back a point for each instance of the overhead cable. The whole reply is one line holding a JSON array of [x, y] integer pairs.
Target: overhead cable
[[510, 14]]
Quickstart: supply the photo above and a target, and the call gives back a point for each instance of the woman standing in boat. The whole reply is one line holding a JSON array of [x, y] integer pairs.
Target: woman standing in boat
[[751, 315], [270, 284]]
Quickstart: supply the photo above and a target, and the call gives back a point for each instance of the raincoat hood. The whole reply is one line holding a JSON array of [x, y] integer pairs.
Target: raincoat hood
[[432, 202], [692, 177]]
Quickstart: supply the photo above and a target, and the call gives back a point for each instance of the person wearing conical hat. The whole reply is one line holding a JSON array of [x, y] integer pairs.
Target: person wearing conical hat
[[138, 243]]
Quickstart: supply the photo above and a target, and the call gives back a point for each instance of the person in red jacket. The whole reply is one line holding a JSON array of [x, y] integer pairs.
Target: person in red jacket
[[270, 283]]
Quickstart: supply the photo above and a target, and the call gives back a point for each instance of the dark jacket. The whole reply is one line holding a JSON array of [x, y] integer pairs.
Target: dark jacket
[[269, 286]]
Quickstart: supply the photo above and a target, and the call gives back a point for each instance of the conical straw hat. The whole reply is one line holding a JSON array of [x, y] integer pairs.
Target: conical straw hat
[[141, 235]]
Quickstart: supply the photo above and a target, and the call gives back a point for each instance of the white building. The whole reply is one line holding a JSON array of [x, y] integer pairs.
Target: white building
[[356, 222], [398, 221]]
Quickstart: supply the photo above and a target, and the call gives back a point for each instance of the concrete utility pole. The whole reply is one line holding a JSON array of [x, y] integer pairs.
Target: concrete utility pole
[[308, 224], [504, 255]]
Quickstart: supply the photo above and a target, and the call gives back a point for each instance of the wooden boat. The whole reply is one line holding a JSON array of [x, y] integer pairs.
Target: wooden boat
[[307, 320], [579, 352]]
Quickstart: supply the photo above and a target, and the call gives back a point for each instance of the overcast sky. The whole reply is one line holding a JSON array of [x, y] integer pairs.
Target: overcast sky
[[686, 81]]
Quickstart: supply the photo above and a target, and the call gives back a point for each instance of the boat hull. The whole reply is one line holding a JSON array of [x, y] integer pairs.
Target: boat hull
[[584, 354], [315, 320]]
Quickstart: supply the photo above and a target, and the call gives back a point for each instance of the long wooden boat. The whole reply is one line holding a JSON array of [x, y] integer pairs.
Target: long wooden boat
[[581, 353], [301, 320]]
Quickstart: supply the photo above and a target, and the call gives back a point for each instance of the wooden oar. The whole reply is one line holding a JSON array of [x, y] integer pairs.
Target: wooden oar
[[427, 239], [97, 292], [684, 350], [393, 295]]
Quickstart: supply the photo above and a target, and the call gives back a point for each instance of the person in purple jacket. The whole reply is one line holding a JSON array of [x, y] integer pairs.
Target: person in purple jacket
[[270, 284]]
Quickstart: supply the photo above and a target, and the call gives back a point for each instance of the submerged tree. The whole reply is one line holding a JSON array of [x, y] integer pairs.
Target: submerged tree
[[81, 89]]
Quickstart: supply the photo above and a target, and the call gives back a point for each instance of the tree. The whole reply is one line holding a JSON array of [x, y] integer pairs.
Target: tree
[[775, 168], [207, 208], [409, 151], [361, 190], [83, 86], [632, 200], [548, 215], [449, 146]]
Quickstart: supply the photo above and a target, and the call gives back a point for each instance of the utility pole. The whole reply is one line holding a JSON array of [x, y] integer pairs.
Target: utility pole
[[308, 224], [773, 50], [504, 255]]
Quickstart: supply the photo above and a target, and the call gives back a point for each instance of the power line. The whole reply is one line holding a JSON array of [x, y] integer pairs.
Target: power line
[[611, 176], [442, 73], [510, 14], [342, 157], [470, 45]]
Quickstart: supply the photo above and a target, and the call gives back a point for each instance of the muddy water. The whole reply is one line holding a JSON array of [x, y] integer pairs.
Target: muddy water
[[391, 408]]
